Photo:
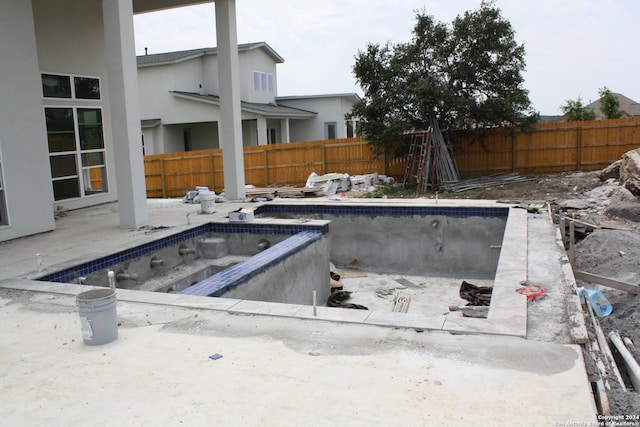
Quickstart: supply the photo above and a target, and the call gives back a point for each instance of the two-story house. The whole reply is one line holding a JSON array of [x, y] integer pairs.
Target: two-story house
[[180, 111]]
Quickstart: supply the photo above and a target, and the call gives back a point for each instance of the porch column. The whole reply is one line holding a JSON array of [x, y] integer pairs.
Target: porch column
[[261, 128], [122, 75], [230, 114], [284, 131]]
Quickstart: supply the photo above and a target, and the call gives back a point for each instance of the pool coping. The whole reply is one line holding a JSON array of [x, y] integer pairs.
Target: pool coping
[[507, 312]]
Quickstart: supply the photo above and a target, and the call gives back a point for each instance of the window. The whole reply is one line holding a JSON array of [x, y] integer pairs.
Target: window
[[54, 86], [86, 87], [75, 136], [263, 82], [330, 130], [352, 126], [4, 217], [76, 151], [59, 86]]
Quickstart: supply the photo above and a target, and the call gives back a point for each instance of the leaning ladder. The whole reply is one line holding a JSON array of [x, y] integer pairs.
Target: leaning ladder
[[418, 158]]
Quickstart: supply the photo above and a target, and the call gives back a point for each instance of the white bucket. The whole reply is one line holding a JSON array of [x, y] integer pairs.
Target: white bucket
[[208, 201], [98, 320]]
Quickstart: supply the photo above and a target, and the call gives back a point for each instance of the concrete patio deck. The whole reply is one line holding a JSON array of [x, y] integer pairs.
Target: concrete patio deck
[[280, 365]]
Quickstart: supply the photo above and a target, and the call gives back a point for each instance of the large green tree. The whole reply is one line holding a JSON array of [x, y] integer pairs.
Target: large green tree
[[464, 75]]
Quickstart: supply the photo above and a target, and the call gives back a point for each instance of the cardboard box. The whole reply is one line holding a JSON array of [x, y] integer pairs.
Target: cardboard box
[[241, 215]]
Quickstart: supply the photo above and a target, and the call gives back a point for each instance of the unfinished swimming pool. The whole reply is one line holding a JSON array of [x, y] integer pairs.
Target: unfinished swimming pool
[[285, 253]]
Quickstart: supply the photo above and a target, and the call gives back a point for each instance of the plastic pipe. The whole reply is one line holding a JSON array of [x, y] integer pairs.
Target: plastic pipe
[[633, 369], [315, 303], [112, 279]]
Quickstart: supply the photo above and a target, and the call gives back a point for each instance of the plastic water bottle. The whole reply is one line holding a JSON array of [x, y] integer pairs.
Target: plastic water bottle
[[601, 306]]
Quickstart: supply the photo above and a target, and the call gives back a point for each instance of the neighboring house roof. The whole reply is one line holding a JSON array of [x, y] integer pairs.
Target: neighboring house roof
[[269, 110], [185, 55], [351, 96], [628, 107]]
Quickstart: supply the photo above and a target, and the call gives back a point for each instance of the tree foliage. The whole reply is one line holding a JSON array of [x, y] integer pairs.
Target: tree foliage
[[575, 111], [464, 75], [609, 104]]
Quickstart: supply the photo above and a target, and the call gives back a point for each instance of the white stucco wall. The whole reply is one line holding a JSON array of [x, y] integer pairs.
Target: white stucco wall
[[23, 141], [256, 60], [329, 109]]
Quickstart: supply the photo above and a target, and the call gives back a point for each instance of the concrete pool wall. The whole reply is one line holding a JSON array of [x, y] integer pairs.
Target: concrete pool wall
[[507, 314], [439, 241]]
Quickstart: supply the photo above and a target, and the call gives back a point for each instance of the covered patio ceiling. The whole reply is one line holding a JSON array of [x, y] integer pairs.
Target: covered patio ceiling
[[144, 6]]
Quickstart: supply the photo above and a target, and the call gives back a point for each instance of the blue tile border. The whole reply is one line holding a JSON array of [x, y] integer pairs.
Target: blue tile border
[[381, 210], [83, 269], [240, 273]]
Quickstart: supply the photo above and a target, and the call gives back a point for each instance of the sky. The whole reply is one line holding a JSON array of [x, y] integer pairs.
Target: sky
[[573, 47]]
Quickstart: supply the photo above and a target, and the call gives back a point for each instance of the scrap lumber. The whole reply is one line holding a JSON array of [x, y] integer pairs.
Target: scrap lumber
[[606, 281], [485, 182], [280, 191]]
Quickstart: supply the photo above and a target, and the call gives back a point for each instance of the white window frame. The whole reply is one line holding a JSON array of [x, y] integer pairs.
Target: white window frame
[[73, 87]]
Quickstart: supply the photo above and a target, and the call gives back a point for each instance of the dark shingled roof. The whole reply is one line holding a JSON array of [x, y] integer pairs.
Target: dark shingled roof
[[272, 110], [184, 55]]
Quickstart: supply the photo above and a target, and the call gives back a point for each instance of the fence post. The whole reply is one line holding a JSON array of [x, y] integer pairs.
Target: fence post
[[579, 142], [213, 173], [514, 156], [324, 159], [266, 167], [162, 179]]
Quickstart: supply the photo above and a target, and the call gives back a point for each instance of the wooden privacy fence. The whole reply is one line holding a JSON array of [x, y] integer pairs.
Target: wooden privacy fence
[[173, 174], [553, 147]]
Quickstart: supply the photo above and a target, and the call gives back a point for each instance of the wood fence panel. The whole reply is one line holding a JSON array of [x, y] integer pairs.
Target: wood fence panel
[[546, 151], [552, 147], [483, 152]]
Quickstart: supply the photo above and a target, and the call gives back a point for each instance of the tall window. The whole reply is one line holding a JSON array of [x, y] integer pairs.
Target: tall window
[[75, 137], [351, 128]]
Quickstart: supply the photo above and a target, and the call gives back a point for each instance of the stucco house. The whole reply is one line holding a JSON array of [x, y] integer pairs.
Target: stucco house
[[179, 102], [69, 109]]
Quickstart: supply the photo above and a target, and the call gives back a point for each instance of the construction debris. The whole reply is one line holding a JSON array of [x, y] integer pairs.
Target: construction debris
[[430, 160], [338, 298], [472, 311], [485, 182], [476, 295], [401, 303]]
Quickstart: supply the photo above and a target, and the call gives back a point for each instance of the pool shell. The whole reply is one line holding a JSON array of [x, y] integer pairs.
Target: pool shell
[[507, 314]]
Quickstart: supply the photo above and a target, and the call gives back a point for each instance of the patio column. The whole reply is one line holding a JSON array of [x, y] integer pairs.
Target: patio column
[[284, 131], [122, 75], [230, 113], [261, 129]]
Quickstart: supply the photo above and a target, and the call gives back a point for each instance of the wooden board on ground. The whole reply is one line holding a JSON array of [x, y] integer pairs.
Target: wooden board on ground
[[281, 191], [605, 281]]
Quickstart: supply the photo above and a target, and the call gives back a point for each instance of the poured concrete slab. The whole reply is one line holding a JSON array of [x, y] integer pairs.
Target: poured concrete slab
[[285, 372], [288, 367]]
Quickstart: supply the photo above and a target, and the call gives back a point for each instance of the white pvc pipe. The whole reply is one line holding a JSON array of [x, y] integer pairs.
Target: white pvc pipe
[[633, 369]]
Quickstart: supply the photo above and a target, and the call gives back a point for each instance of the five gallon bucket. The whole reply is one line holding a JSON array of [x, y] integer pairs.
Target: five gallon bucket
[[208, 201], [97, 309]]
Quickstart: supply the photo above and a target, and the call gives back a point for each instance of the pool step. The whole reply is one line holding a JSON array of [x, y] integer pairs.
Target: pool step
[[213, 247]]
